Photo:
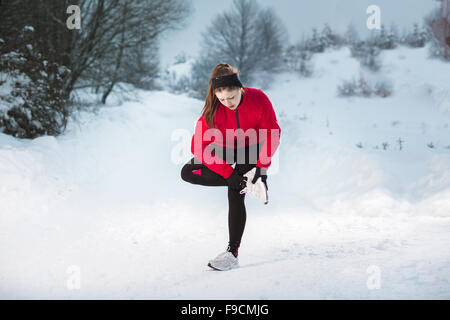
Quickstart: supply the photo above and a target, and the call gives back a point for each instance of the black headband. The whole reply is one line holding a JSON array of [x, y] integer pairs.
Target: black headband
[[231, 80]]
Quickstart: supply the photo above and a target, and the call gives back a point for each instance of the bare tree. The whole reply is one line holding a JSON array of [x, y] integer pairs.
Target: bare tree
[[351, 35], [114, 28], [271, 39], [247, 37]]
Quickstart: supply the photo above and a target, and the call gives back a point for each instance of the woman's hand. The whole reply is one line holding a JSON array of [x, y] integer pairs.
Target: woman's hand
[[236, 181], [260, 173]]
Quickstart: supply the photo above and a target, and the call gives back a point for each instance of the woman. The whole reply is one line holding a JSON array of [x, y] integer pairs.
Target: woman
[[237, 125]]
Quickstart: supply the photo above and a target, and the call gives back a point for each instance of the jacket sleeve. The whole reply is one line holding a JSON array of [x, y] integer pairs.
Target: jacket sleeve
[[200, 150], [268, 121]]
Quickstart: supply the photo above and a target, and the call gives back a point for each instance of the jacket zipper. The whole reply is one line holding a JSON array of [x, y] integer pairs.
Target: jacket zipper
[[237, 121]]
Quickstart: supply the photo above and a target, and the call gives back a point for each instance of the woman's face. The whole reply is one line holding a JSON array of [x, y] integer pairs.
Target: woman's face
[[229, 98]]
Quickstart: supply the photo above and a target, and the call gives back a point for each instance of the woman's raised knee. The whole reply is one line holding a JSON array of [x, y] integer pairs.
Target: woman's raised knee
[[186, 172]]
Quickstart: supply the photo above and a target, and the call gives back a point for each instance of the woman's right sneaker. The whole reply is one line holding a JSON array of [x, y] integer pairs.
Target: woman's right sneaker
[[224, 261]]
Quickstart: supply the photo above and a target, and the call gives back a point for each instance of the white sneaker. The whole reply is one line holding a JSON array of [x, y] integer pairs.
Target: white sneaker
[[224, 261], [257, 189]]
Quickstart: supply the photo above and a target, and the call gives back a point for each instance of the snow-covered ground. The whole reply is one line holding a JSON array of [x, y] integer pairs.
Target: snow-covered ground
[[101, 211]]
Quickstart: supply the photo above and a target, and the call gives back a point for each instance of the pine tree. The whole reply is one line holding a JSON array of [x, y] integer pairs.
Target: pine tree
[[316, 43], [351, 35], [418, 38], [384, 39]]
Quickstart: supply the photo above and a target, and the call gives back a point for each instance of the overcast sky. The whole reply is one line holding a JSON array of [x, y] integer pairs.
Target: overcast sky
[[299, 17]]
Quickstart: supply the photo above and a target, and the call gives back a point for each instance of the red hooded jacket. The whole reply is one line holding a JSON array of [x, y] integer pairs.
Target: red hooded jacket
[[256, 119]]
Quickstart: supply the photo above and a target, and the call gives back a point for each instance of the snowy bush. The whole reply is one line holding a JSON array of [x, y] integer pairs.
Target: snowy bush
[[331, 39], [317, 43], [351, 35], [384, 39], [323, 40], [177, 77], [32, 92], [297, 58], [383, 89], [417, 38], [362, 88], [347, 89], [367, 52], [176, 84]]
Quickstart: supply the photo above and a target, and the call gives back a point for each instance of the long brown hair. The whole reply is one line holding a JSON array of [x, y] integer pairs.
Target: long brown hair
[[211, 103]]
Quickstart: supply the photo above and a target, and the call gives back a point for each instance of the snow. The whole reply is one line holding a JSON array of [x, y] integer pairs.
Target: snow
[[177, 71], [6, 86], [106, 199], [28, 28]]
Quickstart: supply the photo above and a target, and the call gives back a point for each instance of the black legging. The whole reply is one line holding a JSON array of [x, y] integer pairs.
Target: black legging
[[236, 207]]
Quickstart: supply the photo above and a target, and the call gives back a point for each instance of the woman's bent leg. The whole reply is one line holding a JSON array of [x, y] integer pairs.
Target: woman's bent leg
[[198, 173]]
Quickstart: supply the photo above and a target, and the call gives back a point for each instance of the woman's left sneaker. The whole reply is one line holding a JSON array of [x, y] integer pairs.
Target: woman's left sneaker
[[224, 261], [257, 189]]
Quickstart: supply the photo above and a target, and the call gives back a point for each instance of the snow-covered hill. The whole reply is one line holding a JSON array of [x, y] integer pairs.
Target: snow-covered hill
[[104, 203]]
